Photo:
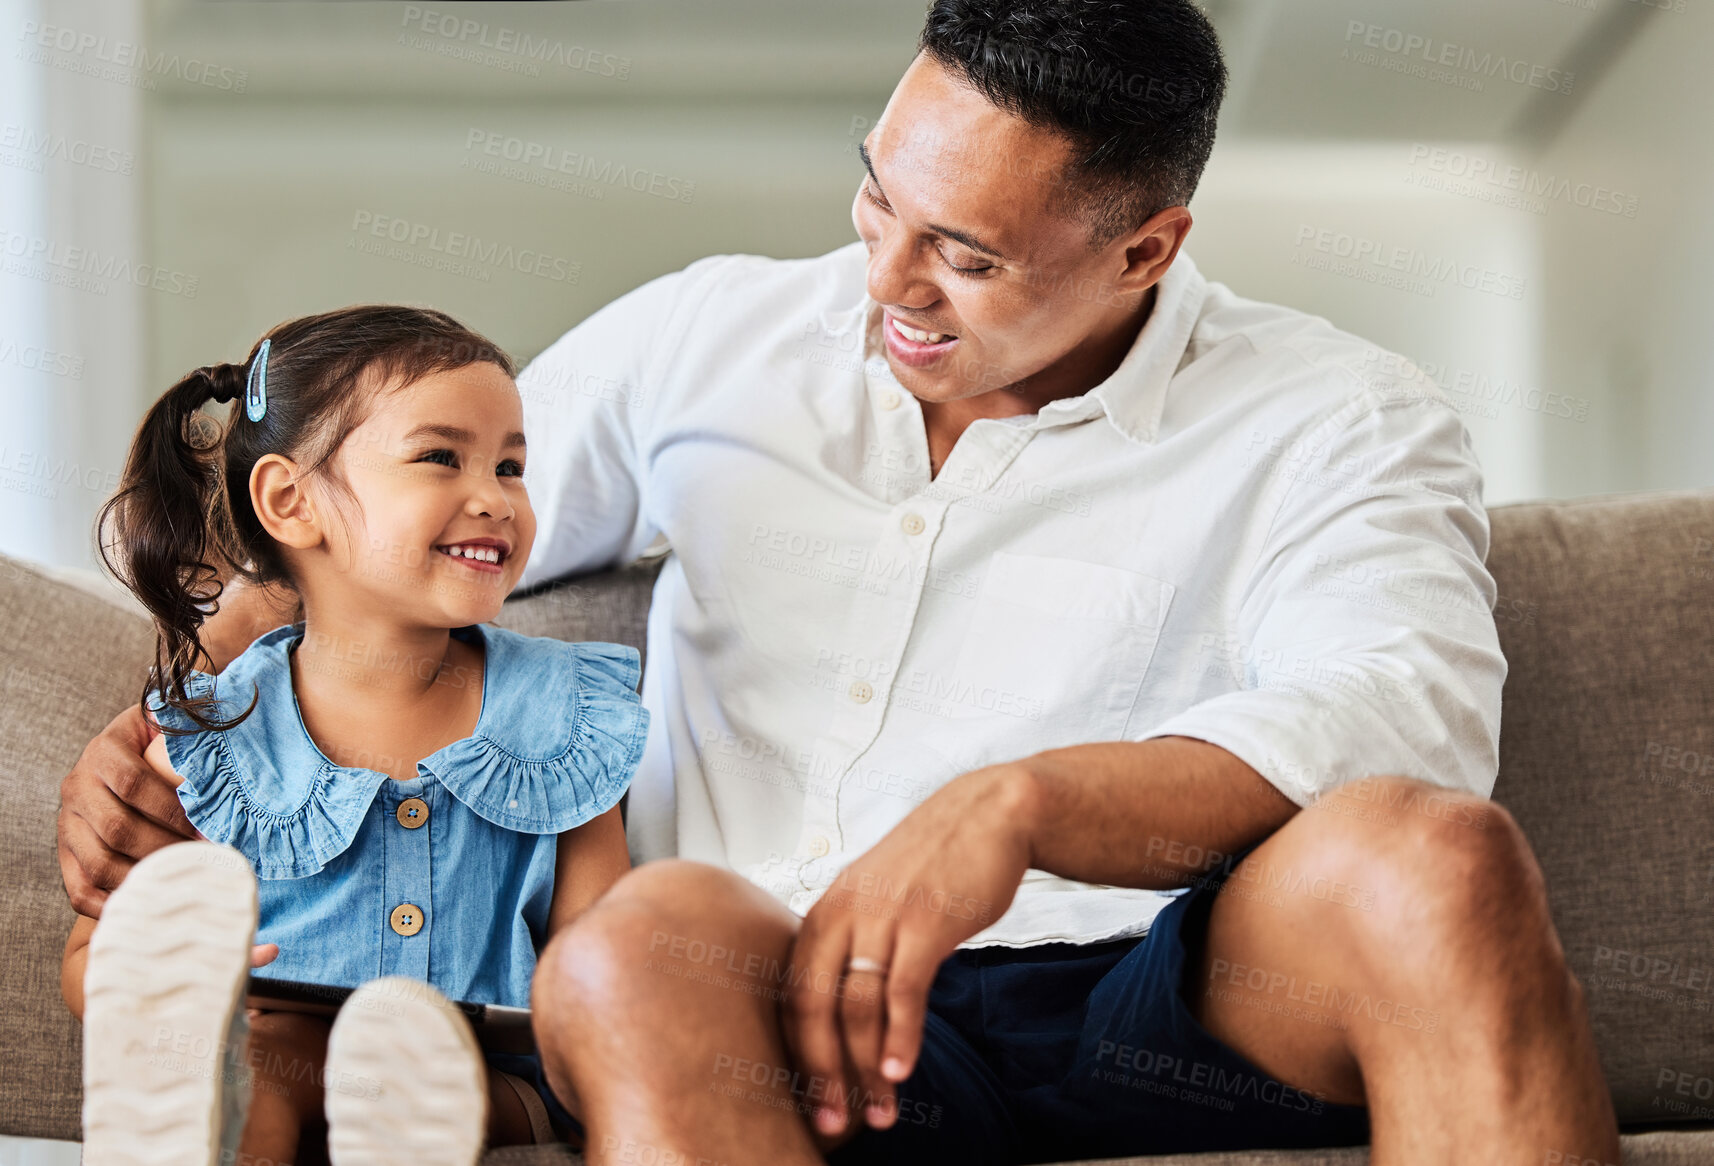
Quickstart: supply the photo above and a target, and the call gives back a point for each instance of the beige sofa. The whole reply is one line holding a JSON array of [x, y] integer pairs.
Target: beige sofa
[[1607, 759]]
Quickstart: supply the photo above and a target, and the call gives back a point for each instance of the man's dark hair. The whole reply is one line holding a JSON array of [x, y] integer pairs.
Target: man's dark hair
[[1134, 85]]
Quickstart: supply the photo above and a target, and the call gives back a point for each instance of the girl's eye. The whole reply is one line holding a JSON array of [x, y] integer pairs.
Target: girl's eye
[[517, 470], [435, 454]]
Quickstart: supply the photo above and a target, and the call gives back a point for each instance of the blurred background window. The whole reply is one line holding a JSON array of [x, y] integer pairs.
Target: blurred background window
[[1514, 195]]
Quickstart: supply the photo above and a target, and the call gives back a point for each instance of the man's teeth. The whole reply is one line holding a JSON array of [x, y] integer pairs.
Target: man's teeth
[[918, 334], [486, 554]]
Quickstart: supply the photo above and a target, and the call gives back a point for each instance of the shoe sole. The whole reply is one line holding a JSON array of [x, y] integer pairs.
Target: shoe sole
[[168, 963], [405, 1080]]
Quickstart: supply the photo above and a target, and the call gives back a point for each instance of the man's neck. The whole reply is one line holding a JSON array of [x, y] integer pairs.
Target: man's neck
[[1085, 367]]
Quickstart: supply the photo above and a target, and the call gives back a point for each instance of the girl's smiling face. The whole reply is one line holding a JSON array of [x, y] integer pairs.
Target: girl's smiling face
[[442, 525]]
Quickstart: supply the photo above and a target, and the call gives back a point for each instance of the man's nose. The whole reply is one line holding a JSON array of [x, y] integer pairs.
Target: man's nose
[[895, 276]]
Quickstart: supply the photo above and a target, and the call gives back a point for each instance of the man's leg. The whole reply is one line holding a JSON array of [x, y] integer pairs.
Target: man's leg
[[1393, 945], [658, 1022]]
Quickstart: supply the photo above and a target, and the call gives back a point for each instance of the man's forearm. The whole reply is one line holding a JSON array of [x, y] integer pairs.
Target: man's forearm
[[1144, 814]]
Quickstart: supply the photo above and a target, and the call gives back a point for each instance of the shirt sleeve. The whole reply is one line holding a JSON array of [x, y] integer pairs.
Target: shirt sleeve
[[1364, 639], [587, 402]]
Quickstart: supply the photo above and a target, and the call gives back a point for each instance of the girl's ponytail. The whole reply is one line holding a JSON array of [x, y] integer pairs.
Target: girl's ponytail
[[168, 539]]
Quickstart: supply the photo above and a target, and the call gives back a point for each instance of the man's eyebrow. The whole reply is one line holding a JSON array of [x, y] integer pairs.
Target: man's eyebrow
[[964, 237], [454, 433]]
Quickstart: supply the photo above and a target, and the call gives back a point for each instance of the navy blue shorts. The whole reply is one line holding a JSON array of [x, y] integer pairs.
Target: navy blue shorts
[[1067, 1051]]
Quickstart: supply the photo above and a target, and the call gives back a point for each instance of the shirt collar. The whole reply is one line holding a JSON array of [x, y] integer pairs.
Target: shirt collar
[[1134, 396]]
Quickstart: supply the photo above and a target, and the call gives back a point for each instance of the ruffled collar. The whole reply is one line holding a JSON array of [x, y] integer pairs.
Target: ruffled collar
[[559, 734]]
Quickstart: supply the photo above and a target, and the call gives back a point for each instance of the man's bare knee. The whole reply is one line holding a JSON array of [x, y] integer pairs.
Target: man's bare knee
[[1440, 874], [676, 956], [673, 918]]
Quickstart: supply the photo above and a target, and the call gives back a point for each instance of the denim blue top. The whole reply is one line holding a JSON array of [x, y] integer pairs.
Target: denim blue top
[[559, 735]]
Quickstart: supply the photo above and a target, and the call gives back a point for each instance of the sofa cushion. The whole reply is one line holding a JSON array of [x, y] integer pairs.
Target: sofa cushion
[[1606, 616], [72, 661]]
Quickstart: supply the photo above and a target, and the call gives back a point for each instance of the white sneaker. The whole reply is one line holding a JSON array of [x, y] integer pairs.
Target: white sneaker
[[405, 1081], [164, 1075]]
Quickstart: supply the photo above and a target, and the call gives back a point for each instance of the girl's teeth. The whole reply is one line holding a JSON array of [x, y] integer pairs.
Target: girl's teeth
[[486, 554]]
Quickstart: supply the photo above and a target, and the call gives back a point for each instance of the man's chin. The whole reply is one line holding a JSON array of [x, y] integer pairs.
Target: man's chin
[[936, 386]]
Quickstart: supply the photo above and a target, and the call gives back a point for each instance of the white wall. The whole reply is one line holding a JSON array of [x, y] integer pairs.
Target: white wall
[[1632, 299], [73, 243], [1348, 232]]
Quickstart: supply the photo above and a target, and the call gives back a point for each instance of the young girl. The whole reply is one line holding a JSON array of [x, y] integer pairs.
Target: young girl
[[423, 800]]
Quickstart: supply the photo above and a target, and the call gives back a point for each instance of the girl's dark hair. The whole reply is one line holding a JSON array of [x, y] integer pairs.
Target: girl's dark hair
[[181, 520]]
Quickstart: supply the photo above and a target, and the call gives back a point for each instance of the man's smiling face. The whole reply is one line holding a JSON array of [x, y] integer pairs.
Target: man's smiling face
[[971, 236]]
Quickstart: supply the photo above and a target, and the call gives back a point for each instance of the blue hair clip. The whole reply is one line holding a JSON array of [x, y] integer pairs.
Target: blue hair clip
[[256, 385]]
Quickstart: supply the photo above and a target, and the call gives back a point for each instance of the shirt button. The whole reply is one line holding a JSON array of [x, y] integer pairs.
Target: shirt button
[[889, 400], [861, 692], [412, 812], [912, 523], [818, 846], [407, 919]]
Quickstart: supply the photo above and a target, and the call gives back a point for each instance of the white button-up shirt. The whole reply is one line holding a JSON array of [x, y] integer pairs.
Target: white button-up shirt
[[1260, 532]]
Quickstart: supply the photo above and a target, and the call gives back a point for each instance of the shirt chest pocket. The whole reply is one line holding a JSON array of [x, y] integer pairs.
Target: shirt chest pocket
[[1056, 651]]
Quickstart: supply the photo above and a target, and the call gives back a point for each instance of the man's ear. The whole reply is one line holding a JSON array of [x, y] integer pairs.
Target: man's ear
[[282, 504], [1150, 249]]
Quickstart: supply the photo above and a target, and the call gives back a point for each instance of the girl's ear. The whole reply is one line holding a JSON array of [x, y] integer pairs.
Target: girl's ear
[[283, 506]]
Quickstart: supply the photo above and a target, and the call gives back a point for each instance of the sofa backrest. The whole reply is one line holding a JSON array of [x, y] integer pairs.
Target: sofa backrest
[[1606, 616]]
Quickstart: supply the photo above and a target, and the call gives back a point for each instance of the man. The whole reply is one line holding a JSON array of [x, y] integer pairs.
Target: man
[[1040, 618]]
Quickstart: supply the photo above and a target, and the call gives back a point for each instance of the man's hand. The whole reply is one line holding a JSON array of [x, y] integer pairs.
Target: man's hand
[[114, 810], [947, 871]]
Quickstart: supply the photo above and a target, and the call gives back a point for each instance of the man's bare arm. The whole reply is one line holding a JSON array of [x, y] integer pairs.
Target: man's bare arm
[[1144, 814], [114, 808]]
